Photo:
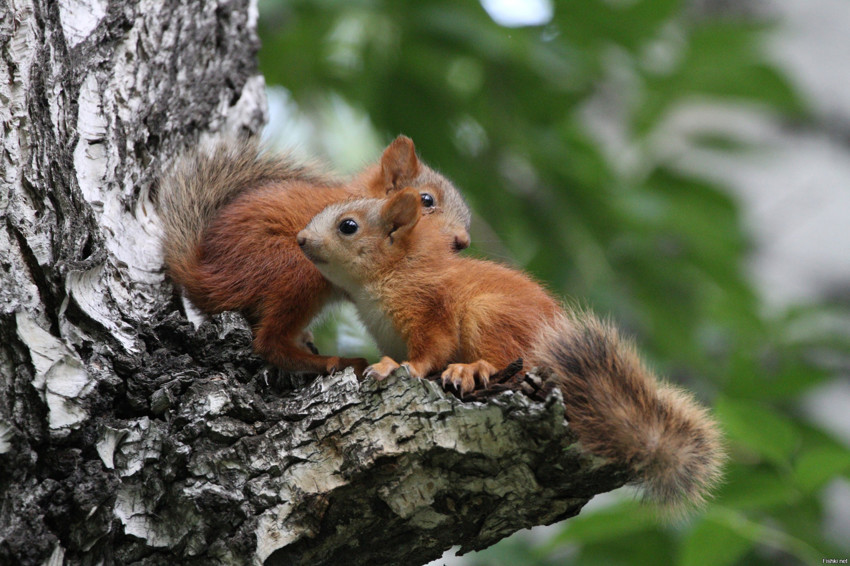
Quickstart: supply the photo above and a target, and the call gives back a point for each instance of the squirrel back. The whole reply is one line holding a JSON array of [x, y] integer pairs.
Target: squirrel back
[[201, 183], [467, 318]]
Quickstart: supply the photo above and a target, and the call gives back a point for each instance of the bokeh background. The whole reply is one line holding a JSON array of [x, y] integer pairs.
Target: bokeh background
[[680, 166]]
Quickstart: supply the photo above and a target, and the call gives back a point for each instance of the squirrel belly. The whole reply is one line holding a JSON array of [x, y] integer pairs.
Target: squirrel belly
[[230, 219], [466, 317]]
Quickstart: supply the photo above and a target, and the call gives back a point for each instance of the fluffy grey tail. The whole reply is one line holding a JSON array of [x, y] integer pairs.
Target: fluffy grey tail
[[203, 181], [622, 413]]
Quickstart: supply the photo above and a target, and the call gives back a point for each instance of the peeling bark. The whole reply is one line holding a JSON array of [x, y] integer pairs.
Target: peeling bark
[[127, 436]]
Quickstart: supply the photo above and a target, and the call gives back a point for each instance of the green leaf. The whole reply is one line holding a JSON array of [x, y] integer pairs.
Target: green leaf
[[593, 24], [758, 428], [713, 542], [723, 61], [779, 371], [751, 487], [646, 547], [724, 536], [718, 141], [816, 467], [607, 524]]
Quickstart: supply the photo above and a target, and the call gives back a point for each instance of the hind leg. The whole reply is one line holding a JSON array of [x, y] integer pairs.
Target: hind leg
[[279, 335], [285, 350]]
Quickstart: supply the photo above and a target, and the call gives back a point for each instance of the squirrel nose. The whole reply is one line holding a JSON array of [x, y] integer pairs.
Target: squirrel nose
[[301, 239], [461, 241]]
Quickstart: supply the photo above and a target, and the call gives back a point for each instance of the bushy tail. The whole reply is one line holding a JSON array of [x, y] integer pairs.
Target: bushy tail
[[199, 184], [622, 413]]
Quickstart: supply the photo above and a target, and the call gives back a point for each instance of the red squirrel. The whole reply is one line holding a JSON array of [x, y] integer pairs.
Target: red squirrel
[[230, 218], [464, 317]]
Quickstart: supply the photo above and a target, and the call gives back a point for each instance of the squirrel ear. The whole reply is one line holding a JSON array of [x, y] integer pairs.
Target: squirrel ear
[[399, 163], [401, 212]]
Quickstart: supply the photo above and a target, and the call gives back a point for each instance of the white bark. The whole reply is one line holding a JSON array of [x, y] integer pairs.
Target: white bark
[[128, 436]]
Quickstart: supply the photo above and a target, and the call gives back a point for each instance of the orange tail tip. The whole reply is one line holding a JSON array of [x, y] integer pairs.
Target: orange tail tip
[[622, 413]]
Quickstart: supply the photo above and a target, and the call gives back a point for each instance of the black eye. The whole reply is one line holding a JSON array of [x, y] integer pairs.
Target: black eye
[[427, 200], [348, 226]]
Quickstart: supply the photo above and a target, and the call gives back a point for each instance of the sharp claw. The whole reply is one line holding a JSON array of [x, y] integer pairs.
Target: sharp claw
[[372, 373], [466, 388]]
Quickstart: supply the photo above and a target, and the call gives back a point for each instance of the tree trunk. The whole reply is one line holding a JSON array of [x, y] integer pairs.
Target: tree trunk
[[127, 436]]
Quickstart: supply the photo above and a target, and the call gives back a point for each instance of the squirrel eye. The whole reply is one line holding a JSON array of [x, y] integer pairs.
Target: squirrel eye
[[348, 226], [427, 200]]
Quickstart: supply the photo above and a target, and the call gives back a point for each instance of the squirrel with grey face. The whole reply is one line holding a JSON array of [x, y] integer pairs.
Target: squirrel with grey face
[[436, 311], [230, 218]]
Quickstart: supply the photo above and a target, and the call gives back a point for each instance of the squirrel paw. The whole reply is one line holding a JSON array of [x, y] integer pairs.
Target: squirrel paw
[[463, 376], [382, 369], [334, 364]]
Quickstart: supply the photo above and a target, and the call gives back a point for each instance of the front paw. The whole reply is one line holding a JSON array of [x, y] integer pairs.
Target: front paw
[[414, 370], [382, 369], [464, 376]]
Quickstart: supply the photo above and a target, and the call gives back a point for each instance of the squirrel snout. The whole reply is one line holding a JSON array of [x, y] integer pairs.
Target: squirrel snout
[[311, 247], [461, 241]]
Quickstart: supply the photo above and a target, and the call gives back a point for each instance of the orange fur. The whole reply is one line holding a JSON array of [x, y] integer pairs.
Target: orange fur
[[475, 316], [231, 217]]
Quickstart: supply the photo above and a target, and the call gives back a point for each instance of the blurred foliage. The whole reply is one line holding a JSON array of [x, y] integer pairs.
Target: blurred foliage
[[556, 134]]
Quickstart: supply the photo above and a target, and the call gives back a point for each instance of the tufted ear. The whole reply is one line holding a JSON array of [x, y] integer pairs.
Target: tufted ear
[[401, 213], [399, 164]]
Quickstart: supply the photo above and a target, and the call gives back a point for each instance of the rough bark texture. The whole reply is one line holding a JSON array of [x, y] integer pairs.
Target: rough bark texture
[[127, 436]]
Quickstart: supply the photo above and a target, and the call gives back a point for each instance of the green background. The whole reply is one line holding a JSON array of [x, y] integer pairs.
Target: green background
[[506, 113]]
